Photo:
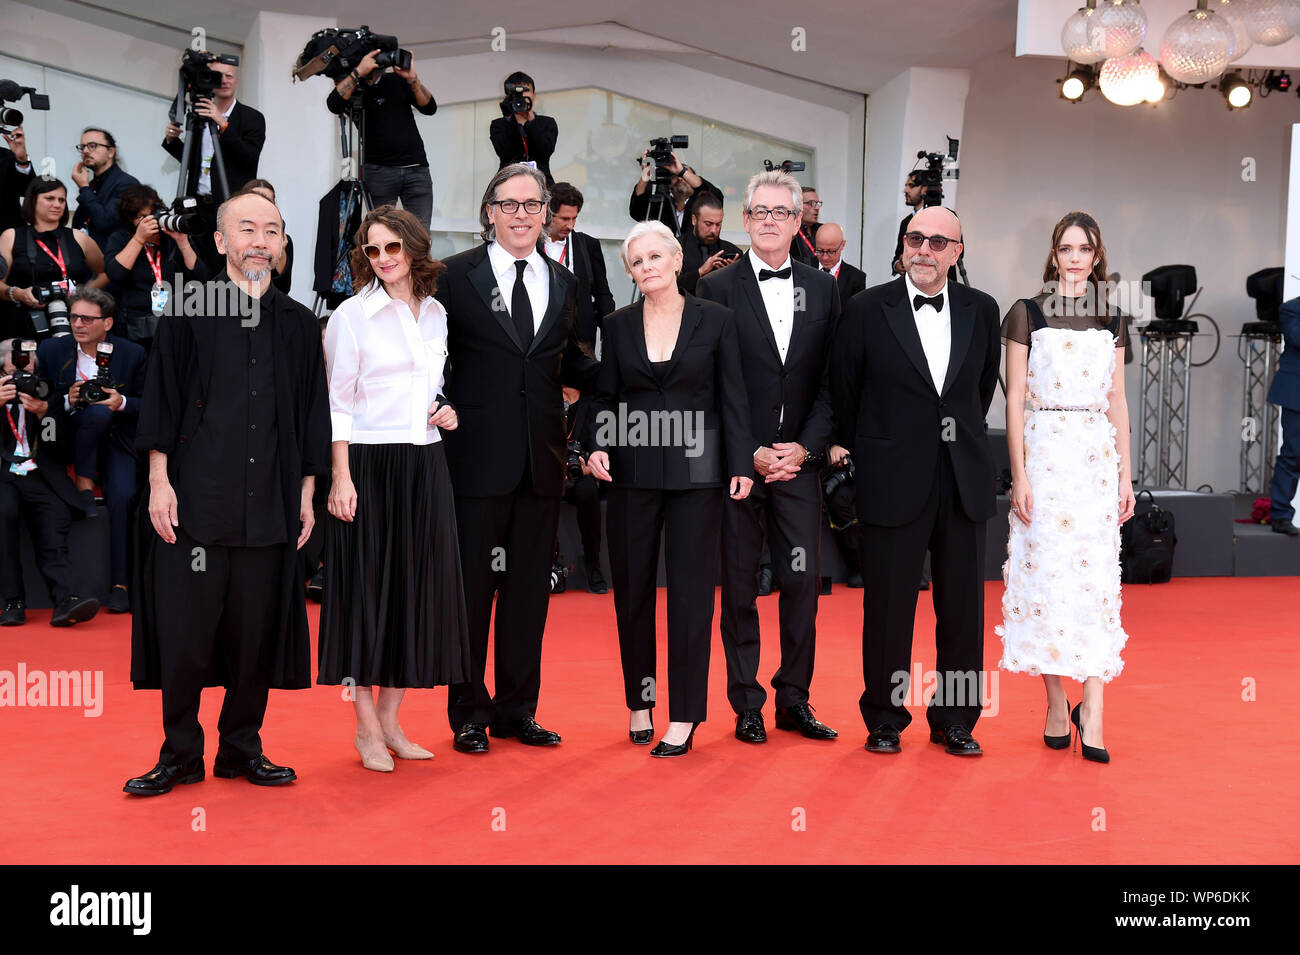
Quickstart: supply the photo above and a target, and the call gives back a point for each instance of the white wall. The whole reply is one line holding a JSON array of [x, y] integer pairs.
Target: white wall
[[1166, 185]]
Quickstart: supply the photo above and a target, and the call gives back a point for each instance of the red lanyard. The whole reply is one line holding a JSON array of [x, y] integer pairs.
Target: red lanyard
[[57, 258], [155, 263], [20, 433], [807, 243], [564, 251]]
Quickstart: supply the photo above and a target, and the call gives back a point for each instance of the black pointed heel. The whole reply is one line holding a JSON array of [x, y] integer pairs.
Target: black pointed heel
[[675, 749], [642, 737], [1094, 753], [1058, 742]]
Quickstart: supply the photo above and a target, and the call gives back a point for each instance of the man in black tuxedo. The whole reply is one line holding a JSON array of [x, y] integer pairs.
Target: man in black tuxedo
[[102, 433], [512, 343], [685, 188], [703, 248], [829, 249], [785, 317], [524, 136], [580, 254], [913, 370]]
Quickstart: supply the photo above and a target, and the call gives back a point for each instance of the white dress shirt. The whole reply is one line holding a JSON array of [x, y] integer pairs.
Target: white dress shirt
[[935, 329], [537, 281], [86, 369], [778, 300], [205, 169], [561, 252], [835, 272], [385, 368]]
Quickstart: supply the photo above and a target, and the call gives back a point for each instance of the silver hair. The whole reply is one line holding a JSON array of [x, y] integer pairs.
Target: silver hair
[[489, 232], [642, 229], [775, 178], [94, 296]]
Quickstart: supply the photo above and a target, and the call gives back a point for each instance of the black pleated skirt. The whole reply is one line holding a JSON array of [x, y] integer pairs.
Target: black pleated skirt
[[394, 605]]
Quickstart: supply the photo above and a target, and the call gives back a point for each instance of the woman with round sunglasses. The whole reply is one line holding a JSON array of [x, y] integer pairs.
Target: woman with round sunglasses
[[393, 614], [1068, 438]]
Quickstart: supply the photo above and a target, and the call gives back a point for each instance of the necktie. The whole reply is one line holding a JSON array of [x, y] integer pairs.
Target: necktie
[[936, 302], [521, 308], [765, 274]]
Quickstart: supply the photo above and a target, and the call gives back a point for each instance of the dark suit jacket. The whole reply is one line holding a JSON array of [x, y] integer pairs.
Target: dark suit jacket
[[888, 414], [57, 361], [97, 204], [594, 298], [639, 206], [508, 138], [13, 186], [241, 147], [850, 282], [802, 251], [48, 465], [800, 384], [507, 398], [1285, 390], [706, 439], [693, 255]]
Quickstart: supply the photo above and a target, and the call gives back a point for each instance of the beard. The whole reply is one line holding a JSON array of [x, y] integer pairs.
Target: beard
[[254, 273]]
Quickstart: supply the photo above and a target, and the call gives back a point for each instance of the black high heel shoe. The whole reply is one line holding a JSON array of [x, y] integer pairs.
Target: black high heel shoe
[[675, 749], [1058, 742], [642, 737], [1094, 753]]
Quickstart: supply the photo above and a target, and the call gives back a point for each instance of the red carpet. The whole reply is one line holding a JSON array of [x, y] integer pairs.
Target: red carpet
[[1198, 775]]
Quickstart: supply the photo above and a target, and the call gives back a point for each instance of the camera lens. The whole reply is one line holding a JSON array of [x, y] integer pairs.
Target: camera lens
[[57, 314]]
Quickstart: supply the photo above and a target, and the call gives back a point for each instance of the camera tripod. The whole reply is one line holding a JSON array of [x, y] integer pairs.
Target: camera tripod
[[188, 183]]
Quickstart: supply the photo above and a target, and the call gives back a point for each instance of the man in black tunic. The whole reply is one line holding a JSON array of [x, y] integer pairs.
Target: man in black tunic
[[237, 426]]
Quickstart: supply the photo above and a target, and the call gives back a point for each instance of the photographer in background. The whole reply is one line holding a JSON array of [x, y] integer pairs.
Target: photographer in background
[[395, 163], [100, 403], [829, 249], [34, 486], [803, 248], [914, 196], [15, 175], [686, 186], [703, 248], [97, 197], [580, 254], [521, 135], [581, 490], [47, 262], [142, 262]]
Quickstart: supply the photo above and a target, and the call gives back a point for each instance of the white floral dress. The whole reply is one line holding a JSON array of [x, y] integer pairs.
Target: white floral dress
[[1061, 607]]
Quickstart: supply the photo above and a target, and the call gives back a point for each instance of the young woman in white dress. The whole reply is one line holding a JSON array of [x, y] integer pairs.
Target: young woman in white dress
[[1068, 437]]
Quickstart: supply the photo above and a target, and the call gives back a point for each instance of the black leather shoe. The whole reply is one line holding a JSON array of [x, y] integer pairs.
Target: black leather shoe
[[750, 728], [260, 771], [1285, 527], [119, 601], [471, 738], [15, 613], [675, 749], [826, 587], [956, 740], [854, 581], [527, 730], [87, 501], [596, 580], [642, 737], [800, 717], [316, 586], [883, 740], [765, 580], [164, 776], [74, 610]]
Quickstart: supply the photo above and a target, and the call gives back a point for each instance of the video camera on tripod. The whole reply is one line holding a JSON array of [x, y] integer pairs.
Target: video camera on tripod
[[196, 80], [11, 92], [790, 165], [660, 154], [336, 53], [937, 168]]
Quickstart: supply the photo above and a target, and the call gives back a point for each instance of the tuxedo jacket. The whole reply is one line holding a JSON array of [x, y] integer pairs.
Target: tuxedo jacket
[[594, 298], [57, 360], [702, 387], [1285, 390], [850, 282], [508, 395], [893, 420], [799, 385], [241, 146]]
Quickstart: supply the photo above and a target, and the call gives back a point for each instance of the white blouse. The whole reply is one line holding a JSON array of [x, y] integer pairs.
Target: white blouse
[[385, 368]]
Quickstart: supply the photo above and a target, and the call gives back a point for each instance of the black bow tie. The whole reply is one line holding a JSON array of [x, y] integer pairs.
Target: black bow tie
[[919, 300], [765, 274]]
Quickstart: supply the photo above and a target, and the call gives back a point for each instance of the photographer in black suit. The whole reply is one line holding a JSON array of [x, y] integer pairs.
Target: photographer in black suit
[[512, 343], [703, 248], [785, 316], [686, 187], [580, 254], [15, 175], [522, 135], [829, 249]]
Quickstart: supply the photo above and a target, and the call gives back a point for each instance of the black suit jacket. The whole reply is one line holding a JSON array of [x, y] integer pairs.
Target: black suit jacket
[[508, 398], [97, 204], [594, 298], [693, 255], [799, 384], [13, 186], [508, 139], [638, 206], [241, 147], [850, 282], [891, 418], [694, 422], [1285, 389], [49, 468], [56, 358]]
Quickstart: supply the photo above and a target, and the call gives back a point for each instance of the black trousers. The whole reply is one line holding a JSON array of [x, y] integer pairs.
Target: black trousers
[[790, 512], [689, 522], [584, 495], [214, 600], [892, 558], [48, 521], [102, 455], [506, 546]]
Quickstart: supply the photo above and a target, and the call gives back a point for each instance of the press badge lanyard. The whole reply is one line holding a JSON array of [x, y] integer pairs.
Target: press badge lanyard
[[58, 259], [157, 294], [21, 450]]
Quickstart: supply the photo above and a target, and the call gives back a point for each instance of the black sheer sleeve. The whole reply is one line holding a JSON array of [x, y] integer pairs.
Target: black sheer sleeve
[[1015, 327]]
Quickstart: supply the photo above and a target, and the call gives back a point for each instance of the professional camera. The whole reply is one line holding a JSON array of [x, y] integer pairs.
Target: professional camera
[[336, 53], [11, 92], [661, 149], [92, 389], [26, 382], [937, 169], [516, 100], [182, 217], [789, 165], [198, 80], [573, 464], [837, 492], [52, 320]]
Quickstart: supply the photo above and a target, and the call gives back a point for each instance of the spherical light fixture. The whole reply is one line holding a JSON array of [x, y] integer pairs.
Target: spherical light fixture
[[1120, 27], [1266, 22], [1156, 92], [1234, 11], [1291, 14], [1127, 80], [1076, 34], [1197, 47]]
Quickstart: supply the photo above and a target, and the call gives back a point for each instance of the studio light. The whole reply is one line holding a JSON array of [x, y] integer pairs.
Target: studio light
[[1077, 82], [1159, 87], [1277, 81], [1236, 91]]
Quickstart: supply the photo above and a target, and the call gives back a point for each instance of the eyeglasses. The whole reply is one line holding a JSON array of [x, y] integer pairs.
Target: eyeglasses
[[825, 251], [814, 203], [82, 147], [780, 213], [76, 318], [511, 206], [937, 242], [390, 248]]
